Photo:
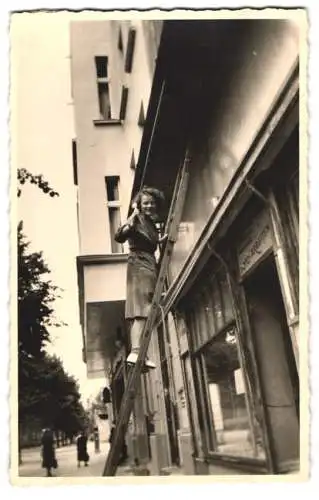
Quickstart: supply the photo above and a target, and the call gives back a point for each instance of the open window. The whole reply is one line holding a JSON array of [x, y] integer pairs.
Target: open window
[[102, 80], [114, 210]]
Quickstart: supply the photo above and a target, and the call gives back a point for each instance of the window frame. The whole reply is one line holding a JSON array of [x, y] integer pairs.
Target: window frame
[[203, 404], [112, 206], [103, 80]]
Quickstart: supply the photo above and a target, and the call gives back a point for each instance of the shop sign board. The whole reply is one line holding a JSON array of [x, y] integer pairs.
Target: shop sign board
[[257, 242]]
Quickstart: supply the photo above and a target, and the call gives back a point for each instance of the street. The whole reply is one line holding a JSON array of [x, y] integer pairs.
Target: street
[[67, 462]]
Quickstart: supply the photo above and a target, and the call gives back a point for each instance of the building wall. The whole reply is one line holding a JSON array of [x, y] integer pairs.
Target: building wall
[[105, 150], [232, 422], [105, 282], [265, 397], [264, 65]]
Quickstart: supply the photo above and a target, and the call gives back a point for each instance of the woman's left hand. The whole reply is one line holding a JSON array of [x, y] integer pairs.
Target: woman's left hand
[[163, 238]]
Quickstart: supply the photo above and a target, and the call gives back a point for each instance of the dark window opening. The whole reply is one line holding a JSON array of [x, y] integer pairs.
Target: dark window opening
[[141, 116], [75, 162], [123, 106], [133, 162], [130, 50], [120, 41], [101, 66], [112, 188]]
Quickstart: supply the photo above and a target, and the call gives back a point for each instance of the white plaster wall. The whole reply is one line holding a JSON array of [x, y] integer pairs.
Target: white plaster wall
[[105, 150], [104, 283]]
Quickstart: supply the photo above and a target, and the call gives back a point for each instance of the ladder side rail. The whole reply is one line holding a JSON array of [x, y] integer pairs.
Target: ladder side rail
[[129, 393]]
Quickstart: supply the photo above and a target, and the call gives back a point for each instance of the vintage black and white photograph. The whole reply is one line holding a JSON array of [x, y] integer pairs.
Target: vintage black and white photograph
[[160, 188]]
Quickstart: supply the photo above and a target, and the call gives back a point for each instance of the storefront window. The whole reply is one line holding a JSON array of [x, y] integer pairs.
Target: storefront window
[[226, 299], [217, 304], [227, 398], [225, 419], [288, 201], [203, 332], [211, 309]]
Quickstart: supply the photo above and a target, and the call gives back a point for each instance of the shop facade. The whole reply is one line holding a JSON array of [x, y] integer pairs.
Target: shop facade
[[227, 343], [240, 356]]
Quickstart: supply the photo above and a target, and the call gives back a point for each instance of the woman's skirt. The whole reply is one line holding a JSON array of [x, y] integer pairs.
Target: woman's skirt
[[141, 282]]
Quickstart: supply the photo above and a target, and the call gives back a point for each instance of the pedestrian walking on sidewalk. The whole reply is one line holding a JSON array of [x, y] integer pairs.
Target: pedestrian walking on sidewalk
[[142, 235], [49, 460], [82, 452]]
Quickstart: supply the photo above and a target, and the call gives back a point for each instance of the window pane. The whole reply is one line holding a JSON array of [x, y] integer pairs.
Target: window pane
[[209, 313], [104, 101], [191, 397], [217, 305], [112, 188], [115, 222], [226, 388], [193, 329], [226, 298], [202, 322], [101, 66], [161, 343]]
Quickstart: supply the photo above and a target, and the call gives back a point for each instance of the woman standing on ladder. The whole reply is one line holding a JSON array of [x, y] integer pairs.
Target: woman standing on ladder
[[142, 235]]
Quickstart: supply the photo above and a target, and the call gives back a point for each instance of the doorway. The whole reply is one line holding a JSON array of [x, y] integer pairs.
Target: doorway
[[276, 363]]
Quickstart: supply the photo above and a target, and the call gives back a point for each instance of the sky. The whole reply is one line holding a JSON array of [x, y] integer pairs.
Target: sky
[[42, 115]]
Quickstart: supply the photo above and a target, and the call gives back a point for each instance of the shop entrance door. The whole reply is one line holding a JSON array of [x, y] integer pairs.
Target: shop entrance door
[[276, 363]]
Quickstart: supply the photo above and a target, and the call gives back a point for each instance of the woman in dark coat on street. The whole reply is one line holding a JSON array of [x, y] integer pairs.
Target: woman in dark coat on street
[[81, 446], [142, 235], [48, 453]]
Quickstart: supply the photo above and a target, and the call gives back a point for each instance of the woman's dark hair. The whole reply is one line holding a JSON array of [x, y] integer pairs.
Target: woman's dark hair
[[156, 194]]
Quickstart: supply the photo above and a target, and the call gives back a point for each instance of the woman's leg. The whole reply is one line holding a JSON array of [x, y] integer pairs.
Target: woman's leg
[[136, 332]]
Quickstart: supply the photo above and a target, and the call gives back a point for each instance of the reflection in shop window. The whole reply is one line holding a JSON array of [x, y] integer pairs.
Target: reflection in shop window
[[227, 398]]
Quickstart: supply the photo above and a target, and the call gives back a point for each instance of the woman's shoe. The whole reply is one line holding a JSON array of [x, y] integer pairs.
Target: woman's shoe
[[132, 358]]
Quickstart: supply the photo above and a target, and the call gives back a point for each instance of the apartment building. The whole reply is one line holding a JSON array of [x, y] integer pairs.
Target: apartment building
[[112, 64], [111, 69], [217, 100]]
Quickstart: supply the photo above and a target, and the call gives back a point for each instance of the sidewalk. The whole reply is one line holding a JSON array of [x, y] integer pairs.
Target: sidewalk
[[127, 470], [67, 462]]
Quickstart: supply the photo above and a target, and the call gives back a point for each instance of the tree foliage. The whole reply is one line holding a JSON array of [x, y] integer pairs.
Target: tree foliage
[[46, 392], [36, 296], [50, 393], [25, 176]]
